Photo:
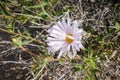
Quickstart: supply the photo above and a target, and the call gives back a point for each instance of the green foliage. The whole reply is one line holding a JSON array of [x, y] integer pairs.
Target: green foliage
[[99, 46], [43, 15], [89, 65], [10, 26], [42, 4], [117, 26]]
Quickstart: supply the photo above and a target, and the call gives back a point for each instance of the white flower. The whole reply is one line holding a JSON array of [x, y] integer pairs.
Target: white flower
[[65, 37]]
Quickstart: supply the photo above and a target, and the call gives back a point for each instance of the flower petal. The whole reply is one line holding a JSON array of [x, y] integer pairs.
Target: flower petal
[[57, 28], [70, 55], [56, 46], [57, 34], [76, 24], [63, 50], [79, 44]]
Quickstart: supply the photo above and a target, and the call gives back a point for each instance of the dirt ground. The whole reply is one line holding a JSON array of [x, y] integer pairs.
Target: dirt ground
[[15, 64]]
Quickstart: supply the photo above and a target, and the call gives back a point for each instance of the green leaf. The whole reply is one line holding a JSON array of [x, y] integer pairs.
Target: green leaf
[[54, 2], [42, 4], [43, 15], [117, 25]]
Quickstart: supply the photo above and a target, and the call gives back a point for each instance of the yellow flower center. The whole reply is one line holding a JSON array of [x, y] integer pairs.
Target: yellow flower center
[[69, 38]]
